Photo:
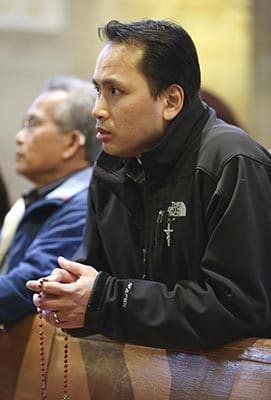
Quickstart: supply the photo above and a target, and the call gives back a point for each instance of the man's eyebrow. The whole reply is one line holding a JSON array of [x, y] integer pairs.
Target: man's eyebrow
[[106, 81], [31, 117]]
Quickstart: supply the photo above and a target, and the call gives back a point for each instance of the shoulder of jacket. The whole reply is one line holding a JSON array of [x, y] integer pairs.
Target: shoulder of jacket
[[222, 142], [47, 207]]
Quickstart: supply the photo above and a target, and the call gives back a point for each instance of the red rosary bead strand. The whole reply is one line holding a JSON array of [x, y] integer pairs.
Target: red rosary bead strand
[[65, 361], [43, 374], [43, 393]]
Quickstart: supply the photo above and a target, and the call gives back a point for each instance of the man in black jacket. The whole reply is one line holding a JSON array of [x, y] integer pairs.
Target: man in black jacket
[[176, 250]]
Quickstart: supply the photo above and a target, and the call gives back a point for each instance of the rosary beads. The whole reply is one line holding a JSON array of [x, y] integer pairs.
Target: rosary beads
[[43, 372]]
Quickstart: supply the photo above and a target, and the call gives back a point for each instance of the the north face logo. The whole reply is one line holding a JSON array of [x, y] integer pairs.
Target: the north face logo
[[177, 209]]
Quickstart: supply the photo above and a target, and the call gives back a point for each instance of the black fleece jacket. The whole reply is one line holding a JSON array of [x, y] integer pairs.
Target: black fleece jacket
[[182, 240]]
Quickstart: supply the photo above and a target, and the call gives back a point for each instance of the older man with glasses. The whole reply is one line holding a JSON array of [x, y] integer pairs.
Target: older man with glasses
[[55, 150]]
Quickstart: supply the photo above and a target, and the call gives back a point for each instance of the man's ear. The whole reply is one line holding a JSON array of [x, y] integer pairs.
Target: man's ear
[[74, 140], [174, 101]]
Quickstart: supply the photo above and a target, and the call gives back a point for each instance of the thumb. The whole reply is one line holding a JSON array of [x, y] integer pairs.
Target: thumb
[[73, 267]]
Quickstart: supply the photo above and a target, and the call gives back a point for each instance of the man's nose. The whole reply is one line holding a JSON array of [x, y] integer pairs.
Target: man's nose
[[20, 136], [100, 109]]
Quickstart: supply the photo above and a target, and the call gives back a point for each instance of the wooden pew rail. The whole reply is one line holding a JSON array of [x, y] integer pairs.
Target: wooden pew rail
[[100, 369]]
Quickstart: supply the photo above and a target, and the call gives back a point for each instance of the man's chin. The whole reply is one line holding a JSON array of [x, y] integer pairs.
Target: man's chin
[[111, 151], [116, 152], [18, 170], [22, 172]]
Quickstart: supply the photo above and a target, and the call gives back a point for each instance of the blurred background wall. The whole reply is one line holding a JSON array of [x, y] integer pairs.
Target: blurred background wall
[[41, 38]]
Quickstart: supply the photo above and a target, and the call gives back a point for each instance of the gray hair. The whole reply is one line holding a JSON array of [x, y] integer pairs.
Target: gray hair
[[75, 111]]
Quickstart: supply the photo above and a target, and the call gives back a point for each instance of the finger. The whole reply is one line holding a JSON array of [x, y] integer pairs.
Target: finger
[[55, 303], [61, 275], [33, 285], [45, 301], [72, 266], [36, 299], [58, 319], [57, 274], [52, 317], [45, 313], [55, 289]]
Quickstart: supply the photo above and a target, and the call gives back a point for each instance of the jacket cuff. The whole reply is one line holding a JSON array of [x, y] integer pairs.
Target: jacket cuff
[[93, 321], [93, 316]]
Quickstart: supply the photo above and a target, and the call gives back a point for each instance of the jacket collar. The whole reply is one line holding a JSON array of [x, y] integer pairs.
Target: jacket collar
[[180, 133], [62, 188], [76, 183]]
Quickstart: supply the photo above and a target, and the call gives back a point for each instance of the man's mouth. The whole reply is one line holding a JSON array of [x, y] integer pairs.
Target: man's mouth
[[18, 155], [102, 134]]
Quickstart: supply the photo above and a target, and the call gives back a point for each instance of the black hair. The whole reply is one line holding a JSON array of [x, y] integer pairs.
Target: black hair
[[169, 57]]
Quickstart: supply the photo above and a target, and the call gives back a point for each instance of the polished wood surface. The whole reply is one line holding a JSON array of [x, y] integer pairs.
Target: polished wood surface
[[101, 369]]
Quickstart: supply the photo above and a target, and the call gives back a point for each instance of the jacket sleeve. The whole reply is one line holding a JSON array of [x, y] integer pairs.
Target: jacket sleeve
[[232, 297], [61, 234]]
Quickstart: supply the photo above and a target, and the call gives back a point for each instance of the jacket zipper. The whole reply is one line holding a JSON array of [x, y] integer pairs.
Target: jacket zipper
[[144, 257], [145, 250]]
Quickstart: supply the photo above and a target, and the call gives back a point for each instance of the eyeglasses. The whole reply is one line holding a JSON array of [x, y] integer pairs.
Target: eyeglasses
[[32, 122]]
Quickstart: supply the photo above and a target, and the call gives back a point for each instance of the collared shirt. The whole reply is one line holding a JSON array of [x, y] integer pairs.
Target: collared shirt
[[38, 193]]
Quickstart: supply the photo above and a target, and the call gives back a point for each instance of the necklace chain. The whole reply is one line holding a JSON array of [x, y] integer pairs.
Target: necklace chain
[[43, 372]]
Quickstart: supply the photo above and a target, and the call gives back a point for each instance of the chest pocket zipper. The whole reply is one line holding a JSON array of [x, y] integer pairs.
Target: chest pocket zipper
[[158, 225]]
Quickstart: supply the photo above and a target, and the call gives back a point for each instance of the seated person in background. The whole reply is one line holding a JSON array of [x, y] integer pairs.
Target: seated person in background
[[223, 110], [55, 149], [4, 200]]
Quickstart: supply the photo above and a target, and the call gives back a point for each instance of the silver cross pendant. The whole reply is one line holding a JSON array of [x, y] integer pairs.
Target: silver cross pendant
[[168, 232]]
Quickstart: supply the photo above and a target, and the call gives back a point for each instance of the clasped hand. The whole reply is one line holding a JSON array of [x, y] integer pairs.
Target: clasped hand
[[65, 293]]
